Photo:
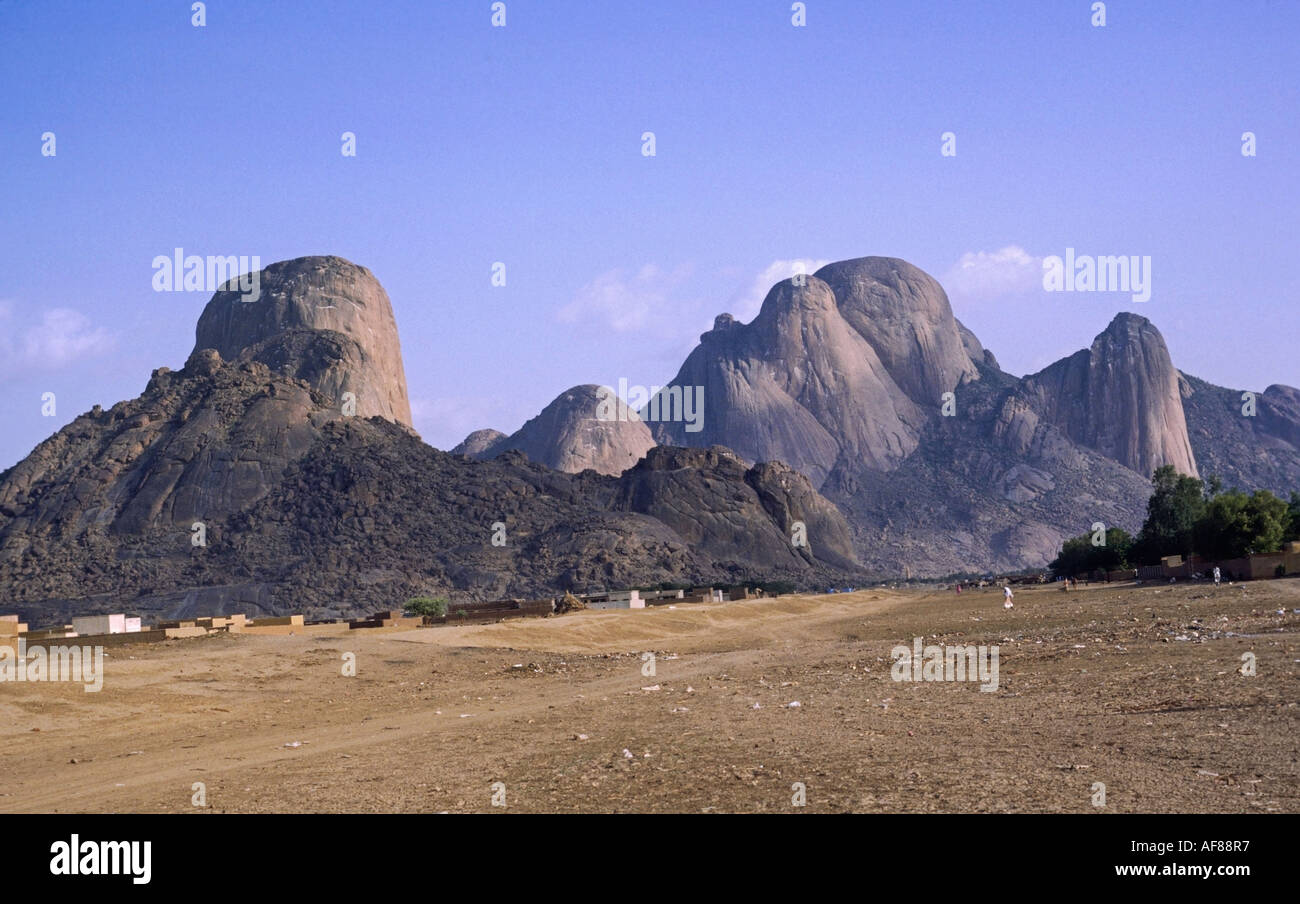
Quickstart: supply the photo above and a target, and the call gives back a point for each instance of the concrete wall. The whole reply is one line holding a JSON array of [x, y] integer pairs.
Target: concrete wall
[[99, 624]]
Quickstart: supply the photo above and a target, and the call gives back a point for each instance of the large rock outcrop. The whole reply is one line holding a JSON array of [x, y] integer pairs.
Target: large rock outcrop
[[799, 384], [586, 427], [904, 314], [1120, 397], [322, 319], [479, 442]]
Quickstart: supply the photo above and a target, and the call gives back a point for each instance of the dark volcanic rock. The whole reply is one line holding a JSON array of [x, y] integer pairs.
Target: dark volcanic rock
[[725, 511]]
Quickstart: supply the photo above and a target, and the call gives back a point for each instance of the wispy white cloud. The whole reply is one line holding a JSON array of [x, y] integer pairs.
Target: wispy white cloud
[[746, 305], [626, 301], [61, 337], [64, 336], [980, 275]]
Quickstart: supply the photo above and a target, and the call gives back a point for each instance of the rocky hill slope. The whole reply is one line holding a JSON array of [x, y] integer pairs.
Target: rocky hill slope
[[250, 485]]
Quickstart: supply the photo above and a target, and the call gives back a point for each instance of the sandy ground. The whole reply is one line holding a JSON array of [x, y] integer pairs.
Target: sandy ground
[[1136, 688]]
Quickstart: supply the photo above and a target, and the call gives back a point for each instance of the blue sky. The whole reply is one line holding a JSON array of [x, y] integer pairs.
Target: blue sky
[[523, 145]]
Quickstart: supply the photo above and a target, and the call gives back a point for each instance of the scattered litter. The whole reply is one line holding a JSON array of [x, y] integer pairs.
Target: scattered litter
[[757, 706], [653, 687], [1207, 772], [294, 744], [793, 704], [676, 709], [689, 689], [580, 737], [627, 754]]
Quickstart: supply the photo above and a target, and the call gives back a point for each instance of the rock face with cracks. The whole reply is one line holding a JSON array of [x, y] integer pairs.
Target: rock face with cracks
[[301, 299]]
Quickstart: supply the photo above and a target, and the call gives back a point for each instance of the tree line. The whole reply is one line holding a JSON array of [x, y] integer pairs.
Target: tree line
[[1187, 516]]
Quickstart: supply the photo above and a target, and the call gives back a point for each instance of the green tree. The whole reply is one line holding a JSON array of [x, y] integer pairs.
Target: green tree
[[1079, 555], [1177, 502], [1267, 519], [1073, 558], [1235, 525], [1293, 517], [1222, 531], [1115, 554], [427, 605]]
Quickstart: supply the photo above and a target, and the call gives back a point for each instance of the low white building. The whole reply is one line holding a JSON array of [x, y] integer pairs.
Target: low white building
[[616, 599], [101, 624]]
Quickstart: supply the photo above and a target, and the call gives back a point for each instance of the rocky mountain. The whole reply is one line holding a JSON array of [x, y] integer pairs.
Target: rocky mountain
[[861, 378], [244, 484], [1247, 440], [277, 471], [573, 433]]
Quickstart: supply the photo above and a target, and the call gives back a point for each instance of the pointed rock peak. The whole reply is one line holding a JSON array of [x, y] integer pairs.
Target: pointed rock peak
[[1126, 323], [316, 294], [1122, 397]]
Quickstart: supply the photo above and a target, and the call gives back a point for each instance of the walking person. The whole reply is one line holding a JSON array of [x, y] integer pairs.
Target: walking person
[[1217, 576], [1007, 595]]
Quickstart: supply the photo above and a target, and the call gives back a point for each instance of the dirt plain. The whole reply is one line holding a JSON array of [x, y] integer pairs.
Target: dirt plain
[[1139, 688]]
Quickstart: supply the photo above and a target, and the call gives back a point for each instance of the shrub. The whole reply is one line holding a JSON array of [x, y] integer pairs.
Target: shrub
[[427, 605]]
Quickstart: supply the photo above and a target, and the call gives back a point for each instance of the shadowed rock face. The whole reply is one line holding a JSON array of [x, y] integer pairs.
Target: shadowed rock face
[[711, 493], [581, 429], [1120, 397], [198, 443], [1280, 410], [299, 299]]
